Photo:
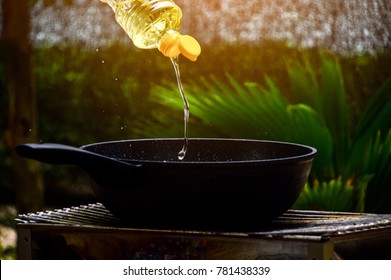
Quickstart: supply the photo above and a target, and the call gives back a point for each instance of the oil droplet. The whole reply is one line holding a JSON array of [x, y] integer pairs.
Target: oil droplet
[[182, 154]]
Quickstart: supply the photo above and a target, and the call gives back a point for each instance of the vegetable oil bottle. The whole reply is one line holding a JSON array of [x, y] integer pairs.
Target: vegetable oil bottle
[[155, 24]]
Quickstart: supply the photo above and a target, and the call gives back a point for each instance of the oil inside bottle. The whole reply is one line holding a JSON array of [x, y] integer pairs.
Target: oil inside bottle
[[146, 22]]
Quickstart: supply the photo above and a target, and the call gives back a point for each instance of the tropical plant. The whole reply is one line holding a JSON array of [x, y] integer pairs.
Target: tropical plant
[[352, 171]]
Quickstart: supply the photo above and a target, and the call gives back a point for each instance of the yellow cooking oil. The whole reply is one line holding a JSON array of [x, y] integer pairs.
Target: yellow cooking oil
[[155, 24]]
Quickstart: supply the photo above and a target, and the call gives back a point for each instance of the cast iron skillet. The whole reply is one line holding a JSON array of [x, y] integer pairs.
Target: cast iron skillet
[[222, 184]]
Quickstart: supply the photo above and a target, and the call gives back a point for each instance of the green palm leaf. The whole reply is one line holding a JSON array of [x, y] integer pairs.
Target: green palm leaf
[[251, 111], [335, 195], [376, 115], [327, 96]]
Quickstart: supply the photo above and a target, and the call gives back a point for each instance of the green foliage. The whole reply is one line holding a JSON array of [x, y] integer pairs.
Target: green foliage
[[376, 164], [87, 96], [327, 96], [334, 195]]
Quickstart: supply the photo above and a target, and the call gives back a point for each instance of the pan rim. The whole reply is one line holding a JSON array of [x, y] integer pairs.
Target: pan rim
[[310, 155]]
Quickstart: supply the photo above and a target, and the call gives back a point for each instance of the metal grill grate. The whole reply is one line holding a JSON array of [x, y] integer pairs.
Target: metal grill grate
[[321, 224], [293, 224], [91, 214]]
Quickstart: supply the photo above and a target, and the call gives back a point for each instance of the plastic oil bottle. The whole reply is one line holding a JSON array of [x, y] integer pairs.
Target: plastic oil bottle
[[155, 24]]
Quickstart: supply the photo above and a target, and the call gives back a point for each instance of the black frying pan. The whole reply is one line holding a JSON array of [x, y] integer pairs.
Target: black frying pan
[[222, 184]]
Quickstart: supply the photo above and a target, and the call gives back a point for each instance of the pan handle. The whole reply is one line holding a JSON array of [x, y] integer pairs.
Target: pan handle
[[63, 154]]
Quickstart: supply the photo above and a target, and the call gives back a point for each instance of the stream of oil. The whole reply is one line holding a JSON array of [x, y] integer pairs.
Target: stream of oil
[[142, 20], [186, 110]]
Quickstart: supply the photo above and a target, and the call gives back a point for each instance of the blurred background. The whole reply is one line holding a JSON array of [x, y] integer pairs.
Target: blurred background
[[312, 72]]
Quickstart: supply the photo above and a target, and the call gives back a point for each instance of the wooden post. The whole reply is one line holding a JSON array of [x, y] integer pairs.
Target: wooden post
[[22, 114]]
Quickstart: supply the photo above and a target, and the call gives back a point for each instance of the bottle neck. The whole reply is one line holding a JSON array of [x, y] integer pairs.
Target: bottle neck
[[168, 45]]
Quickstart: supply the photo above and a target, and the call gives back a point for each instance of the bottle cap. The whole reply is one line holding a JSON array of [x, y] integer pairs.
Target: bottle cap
[[175, 44], [189, 47]]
